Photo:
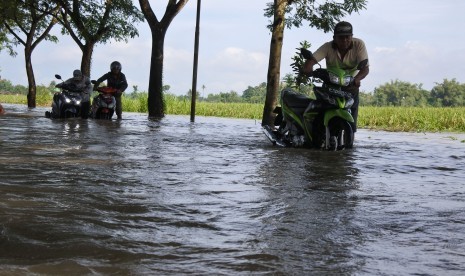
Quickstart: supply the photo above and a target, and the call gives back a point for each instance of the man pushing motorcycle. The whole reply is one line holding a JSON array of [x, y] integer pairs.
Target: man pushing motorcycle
[[345, 52], [83, 84], [115, 79]]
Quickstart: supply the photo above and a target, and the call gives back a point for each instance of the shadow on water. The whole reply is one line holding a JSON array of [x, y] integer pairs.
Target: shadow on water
[[213, 197]]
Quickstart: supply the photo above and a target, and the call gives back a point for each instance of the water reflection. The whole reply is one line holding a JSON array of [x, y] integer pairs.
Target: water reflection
[[214, 197], [310, 214]]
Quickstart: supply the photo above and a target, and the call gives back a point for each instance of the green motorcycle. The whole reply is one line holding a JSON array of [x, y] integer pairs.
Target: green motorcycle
[[324, 122]]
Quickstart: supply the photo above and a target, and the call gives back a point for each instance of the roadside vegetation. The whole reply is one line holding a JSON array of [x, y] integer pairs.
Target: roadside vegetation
[[394, 106]]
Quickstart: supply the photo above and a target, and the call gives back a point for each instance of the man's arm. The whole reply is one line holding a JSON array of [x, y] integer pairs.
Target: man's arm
[[124, 83], [102, 78], [361, 75]]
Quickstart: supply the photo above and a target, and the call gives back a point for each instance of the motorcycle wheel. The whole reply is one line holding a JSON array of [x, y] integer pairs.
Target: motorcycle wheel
[[318, 132], [69, 114], [279, 116], [343, 134]]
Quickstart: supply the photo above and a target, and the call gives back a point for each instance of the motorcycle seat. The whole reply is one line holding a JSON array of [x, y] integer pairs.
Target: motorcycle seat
[[295, 100]]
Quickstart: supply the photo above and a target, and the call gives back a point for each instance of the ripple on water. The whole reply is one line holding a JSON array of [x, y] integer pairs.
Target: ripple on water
[[168, 196]]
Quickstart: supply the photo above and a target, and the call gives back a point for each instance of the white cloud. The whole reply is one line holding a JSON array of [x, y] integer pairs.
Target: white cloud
[[238, 59], [384, 50], [418, 43]]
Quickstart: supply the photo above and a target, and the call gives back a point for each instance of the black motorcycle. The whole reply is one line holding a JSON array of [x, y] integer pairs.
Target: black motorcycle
[[67, 102]]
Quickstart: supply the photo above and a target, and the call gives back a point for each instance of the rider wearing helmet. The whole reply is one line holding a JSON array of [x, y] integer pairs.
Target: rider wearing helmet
[[82, 83], [115, 79]]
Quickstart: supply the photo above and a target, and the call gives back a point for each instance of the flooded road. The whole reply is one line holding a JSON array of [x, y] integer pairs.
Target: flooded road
[[214, 197]]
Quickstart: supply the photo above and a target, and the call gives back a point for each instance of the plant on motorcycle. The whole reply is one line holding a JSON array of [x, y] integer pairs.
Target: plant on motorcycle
[[299, 77]]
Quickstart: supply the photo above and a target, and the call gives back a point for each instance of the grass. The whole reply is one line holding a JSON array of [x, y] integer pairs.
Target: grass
[[183, 107], [416, 119], [409, 119]]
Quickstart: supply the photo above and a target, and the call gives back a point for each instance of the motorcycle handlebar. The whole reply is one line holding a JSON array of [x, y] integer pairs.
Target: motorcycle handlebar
[[320, 73], [106, 89]]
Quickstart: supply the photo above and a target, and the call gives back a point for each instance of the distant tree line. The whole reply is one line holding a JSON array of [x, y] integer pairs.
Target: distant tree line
[[449, 93]]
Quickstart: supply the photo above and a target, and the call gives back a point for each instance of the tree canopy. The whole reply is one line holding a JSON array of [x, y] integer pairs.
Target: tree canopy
[[91, 22], [28, 23]]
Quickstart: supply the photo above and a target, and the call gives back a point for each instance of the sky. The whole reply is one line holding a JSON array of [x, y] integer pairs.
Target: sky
[[416, 41]]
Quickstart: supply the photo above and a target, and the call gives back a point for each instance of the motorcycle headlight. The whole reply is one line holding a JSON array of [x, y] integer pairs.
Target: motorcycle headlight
[[78, 102], [342, 81], [67, 100], [333, 78], [346, 80]]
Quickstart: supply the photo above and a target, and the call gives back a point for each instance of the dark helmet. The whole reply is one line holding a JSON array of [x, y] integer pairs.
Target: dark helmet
[[115, 65]]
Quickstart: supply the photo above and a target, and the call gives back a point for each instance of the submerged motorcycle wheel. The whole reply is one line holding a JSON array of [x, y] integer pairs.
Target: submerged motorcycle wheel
[[69, 114], [103, 115], [341, 134]]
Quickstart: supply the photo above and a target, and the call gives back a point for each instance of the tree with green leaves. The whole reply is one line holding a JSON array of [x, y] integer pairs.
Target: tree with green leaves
[[156, 105], [93, 21], [7, 12], [400, 93], [292, 13], [449, 93], [5, 43], [255, 94], [28, 22]]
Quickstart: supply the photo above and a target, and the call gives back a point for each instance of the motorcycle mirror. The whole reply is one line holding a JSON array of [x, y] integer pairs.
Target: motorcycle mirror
[[58, 76], [362, 64], [307, 54]]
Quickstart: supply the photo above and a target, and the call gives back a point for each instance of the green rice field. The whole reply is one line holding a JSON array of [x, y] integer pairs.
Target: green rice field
[[406, 119]]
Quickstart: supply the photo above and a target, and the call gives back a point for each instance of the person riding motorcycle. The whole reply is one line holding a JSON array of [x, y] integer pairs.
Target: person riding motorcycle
[[115, 79], [345, 52], [83, 84]]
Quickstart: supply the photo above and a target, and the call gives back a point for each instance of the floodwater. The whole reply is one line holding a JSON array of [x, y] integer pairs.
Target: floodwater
[[214, 197]]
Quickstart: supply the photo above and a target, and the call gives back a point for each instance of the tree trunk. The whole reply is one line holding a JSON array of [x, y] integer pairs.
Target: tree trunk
[[31, 95], [86, 60], [274, 64], [156, 105]]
